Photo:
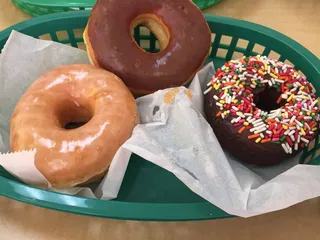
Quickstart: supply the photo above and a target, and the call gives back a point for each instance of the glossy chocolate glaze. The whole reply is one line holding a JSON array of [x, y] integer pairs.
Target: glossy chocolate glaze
[[115, 50], [238, 144]]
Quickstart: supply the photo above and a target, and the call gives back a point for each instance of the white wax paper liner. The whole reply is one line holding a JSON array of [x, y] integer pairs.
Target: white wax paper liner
[[178, 139], [25, 169]]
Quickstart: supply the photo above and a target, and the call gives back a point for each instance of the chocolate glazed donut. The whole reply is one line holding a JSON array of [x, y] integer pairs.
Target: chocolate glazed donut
[[238, 144], [183, 34]]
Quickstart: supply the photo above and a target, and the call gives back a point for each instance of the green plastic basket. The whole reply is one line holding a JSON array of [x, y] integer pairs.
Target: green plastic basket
[[42, 7], [149, 192]]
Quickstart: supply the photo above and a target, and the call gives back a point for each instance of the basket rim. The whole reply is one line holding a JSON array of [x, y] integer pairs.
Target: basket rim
[[82, 3], [128, 210], [59, 3]]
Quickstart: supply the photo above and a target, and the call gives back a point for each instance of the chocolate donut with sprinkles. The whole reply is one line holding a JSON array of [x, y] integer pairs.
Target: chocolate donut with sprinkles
[[262, 111]]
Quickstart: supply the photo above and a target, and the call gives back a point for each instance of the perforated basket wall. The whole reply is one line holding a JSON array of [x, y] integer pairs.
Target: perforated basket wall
[[42, 7]]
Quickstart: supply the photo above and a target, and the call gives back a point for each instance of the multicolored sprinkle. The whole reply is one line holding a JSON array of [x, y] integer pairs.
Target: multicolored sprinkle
[[292, 126]]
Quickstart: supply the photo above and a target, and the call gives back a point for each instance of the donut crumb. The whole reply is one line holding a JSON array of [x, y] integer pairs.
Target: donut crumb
[[170, 95], [189, 93]]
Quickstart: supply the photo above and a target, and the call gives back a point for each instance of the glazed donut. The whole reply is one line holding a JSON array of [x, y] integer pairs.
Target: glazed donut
[[73, 93], [183, 34], [261, 110]]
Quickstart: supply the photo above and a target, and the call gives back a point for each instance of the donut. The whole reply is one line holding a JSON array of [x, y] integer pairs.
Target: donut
[[262, 111], [183, 33], [66, 94]]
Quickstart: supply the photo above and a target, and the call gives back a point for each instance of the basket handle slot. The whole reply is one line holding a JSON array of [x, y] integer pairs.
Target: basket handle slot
[[54, 37], [282, 58], [266, 52], [153, 40], [137, 35], [249, 49], [215, 45], [72, 38], [231, 48]]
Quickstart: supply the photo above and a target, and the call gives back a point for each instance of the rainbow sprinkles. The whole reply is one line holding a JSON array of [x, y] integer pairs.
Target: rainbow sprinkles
[[293, 125]]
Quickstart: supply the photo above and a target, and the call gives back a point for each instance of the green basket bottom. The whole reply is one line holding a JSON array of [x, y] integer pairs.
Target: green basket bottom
[[39, 7]]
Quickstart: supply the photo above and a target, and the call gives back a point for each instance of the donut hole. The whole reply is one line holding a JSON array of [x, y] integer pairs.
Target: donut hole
[[73, 125], [266, 100], [73, 115], [154, 25]]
